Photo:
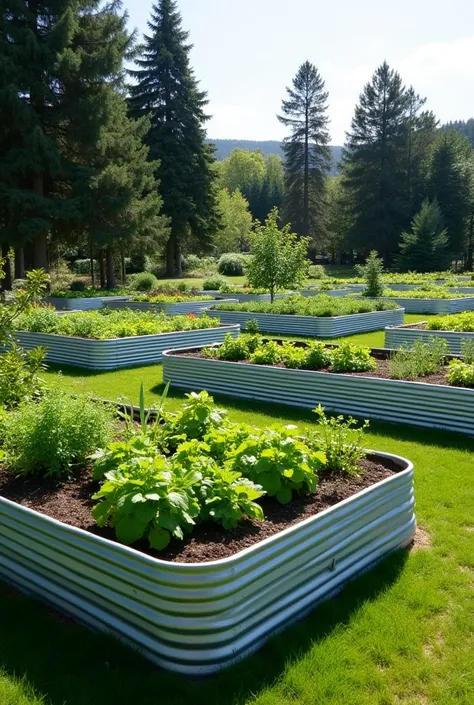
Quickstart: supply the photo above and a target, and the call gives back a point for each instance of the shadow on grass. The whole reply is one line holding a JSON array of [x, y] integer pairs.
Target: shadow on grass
[[71, 666]]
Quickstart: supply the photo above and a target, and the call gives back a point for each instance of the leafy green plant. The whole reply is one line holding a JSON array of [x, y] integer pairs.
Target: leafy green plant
[[20, 375], [231, 264], [438, 292], [317, 271], [341, 441], [422, 360], [317, 356], [144, 281], [10, 311], [460, 373], [322, 305], [266, 354], [279, 461], [213, 283], [252, 326], [56, 433], [227, 497], [467, 350], [232, 349], [176, 298], [86, 293], [292, 356], [197, 417], [457, 322], [348, 357]]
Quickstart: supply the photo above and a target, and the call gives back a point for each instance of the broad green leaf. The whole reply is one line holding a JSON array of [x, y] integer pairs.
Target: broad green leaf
[[284, 495], [130, 529], [158, 538], [178, 500]]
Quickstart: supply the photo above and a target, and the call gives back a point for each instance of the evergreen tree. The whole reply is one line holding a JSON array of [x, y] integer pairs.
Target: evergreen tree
[[420, 133], [448, 182], [424, 247], [464, 127], [374, 164], [307, 153], [168, 91], [58, 59]]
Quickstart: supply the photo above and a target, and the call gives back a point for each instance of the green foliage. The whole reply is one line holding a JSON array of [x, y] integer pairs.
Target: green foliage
[[232, 349], [55, 433], [461, 373], [317, 356], [316, 271], [77, 285], [467, 350], [155, 297], [458, 322], [33, 288], [86, 293], [307, 153], [231, 265], [424, 248], [266, 354], [236, 222], [197, 417], [278, 461], [279, 257], [348, 357], [213, 283], [20, 375], [82, 267], [422, 360], [372, 273], [107, 324], [144, 281], [341, 441], [437, 292], [311, 306]]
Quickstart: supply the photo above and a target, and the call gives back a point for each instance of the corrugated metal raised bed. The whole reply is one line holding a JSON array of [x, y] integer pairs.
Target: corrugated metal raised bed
[[398, 336], [329, 292], [119, 352], [177, 309], [413, 403], [433, 305], [199, 618], [315, 326], [95, 302]]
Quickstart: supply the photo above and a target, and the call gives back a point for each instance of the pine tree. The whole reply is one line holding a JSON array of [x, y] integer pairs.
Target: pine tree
[[420, 133], [167, 89], [424, 247], [448, 181], [57, 58], [307, 153], [374, 164]]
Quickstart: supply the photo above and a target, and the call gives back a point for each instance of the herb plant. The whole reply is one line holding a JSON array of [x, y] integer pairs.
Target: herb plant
[[341, 441], [348, 357], [422, 360]]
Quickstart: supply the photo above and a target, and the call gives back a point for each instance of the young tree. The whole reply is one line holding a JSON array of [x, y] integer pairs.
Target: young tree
[[236, 222], [279, 257], [307, 153], [339, 220], [167, 90], [372, 271], [424, 247], [374, 164]]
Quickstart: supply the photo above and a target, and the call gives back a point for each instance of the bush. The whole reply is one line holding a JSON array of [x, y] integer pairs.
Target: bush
[[213, 283], [83, 267], [194, 264], [77, 285], [460, 373], [348, 357], [266, 354], [316, 271], [19, 375], [231, 265], [59, 431], [145, 281]]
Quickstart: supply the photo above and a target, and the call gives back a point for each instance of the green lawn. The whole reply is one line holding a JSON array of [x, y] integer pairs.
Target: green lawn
[[402, 634]]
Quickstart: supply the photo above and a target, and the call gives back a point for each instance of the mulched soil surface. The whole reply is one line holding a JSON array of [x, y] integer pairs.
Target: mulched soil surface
[[71, 503]]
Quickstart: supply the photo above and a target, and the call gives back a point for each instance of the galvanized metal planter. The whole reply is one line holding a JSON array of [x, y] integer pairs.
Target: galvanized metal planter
[[329, 292], [433, 305], [193, 618], [398, 336], [314, 326], [119, 352], [178, 309], [95, 302], [413, 403]]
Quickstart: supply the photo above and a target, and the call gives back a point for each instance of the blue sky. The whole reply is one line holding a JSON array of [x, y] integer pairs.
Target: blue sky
[[246, 51]]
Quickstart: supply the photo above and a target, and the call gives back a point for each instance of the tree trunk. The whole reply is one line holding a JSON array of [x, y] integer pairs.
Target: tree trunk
[[102, 269], [19, 263], [110, 272], [306, 172], [122, 266], [91, 260], [170, 255], [40, 255], [177, 257], [6, 282]]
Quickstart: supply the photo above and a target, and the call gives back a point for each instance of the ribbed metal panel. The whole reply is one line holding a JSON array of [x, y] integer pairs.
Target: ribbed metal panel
[[433, 305], [414, 403], [330, 292], [403, 336], [199, 618], [83, 304], [119, 352], [314, 326], [178, 309]]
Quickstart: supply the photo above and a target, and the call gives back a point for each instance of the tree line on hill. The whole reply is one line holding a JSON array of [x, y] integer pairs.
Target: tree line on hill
[[95, 165]]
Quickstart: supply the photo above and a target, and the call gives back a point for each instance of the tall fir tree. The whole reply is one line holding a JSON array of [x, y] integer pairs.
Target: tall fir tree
[[421, 129], [448, 180], [167, 90], [374, 164], [58, 60], [424, 247], [307, 153]]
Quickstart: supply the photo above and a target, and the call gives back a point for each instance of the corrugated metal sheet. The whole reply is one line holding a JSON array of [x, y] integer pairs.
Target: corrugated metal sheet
[[413, 403], [329, 292], [315, 326], [397, 337], [199, 618], [178, 309], [119, 352], [433, 305], [83, 304]]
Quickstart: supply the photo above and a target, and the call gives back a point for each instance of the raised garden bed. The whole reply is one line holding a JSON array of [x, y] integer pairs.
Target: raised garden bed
[[114, 353], [405, 336], [171, 309], [83, 304], [431, 403], [197, 618], [314, 326], [435, 306]]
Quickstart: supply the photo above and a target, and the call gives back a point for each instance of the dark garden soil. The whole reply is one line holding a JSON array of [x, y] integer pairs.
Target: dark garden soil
[[71, 503]]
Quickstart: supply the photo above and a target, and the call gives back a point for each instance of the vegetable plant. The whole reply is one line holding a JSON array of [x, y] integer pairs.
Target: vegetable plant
[[341, 441], [421, 360], [321, 305], [348, 357]]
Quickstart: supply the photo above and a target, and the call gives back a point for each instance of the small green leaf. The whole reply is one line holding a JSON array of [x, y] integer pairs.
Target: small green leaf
[[284, 495], [159, 538]]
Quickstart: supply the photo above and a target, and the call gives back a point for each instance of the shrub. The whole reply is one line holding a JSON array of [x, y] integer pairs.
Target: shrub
[[230, 264], [317, 356], [292, 356], [145, 281], [55, 433], [348, 357], [20, 375], [252, 326], [78, 285], [341, 442], [266, 354], [317, 271], [372, 273], [213, 283], [423, 359], [83, 267]]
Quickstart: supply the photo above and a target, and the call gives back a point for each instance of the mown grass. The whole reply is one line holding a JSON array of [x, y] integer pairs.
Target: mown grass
[[402, 634]]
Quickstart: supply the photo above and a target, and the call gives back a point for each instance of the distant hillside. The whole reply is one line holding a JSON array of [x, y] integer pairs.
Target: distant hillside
[[225, 147]]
